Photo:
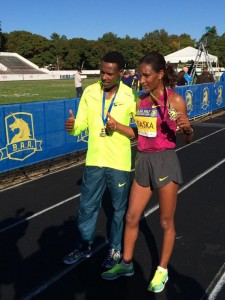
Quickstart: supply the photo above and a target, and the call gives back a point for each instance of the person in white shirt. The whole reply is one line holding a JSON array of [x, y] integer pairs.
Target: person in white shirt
[[78, 84]]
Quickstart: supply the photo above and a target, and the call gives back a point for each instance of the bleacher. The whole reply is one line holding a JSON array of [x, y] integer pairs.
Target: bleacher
[[13, 64]]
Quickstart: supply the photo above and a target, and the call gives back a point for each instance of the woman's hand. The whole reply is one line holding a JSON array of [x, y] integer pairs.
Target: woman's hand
[[183, 123]]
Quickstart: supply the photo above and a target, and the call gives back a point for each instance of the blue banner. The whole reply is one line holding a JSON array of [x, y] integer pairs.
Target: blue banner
[[34, 132], [203, 98]]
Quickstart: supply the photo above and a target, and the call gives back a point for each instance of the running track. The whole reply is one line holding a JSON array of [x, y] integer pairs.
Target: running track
[[37, 230]]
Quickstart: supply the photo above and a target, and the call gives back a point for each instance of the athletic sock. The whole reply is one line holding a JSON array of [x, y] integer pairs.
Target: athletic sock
[[126, 264], [161, 269]]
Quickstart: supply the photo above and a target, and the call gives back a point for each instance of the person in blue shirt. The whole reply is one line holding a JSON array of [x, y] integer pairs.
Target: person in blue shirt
[[135, 80], [127, 78], [187, 77], [222, 78]]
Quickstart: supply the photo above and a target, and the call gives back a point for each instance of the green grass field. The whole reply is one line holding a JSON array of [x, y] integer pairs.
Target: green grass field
[[38, 90]]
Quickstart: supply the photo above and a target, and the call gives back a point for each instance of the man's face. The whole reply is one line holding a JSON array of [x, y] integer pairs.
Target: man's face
[[110, 75]]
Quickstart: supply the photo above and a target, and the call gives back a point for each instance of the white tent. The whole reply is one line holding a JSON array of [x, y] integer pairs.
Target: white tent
[[188, 54]]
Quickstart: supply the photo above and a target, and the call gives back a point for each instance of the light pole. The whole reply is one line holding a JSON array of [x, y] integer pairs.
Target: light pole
[[57, 62]]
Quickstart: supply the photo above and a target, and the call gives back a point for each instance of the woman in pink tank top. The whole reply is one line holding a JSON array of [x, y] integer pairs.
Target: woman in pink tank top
[[161, 114]]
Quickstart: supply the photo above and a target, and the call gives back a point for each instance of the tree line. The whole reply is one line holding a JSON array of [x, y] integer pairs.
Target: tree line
[[58, 52]]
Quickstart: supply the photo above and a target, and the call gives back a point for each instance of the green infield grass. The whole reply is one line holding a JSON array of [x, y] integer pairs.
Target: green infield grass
[[39, 90]]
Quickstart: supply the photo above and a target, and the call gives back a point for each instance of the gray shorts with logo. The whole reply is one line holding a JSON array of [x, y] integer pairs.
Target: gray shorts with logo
[[157, 169]]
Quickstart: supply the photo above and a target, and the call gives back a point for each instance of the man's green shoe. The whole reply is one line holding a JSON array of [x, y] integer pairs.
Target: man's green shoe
[[118, 270]]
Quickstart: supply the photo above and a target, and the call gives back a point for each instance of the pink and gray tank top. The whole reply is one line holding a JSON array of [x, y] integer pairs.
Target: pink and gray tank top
[[156, 132]]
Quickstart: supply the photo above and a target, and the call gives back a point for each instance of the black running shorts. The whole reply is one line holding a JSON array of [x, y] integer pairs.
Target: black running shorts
[[156, 169]]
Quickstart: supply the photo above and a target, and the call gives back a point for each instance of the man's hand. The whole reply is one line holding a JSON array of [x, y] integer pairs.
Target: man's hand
[[111, 123], [70, 121]]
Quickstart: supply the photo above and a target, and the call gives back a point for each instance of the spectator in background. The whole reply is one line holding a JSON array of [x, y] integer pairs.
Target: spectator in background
[[78, 83], [180, 78], [187, 77], [127, 78], [222, 78], [132, 72], [205, 77], [108, 160], [135, 84]]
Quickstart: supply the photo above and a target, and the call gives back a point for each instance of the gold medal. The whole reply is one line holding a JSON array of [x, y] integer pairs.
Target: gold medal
[[172, 113], [103, 132]]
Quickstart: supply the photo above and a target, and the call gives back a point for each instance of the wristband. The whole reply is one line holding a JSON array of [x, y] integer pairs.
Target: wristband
[[188, 132]]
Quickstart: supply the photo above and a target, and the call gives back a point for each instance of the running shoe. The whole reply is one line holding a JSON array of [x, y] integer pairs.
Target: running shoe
[[111, 259], [76, 255], [158, 282], [118, 270]]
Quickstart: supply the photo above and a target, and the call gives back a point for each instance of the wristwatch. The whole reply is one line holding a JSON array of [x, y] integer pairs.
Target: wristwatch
[[188, 132]]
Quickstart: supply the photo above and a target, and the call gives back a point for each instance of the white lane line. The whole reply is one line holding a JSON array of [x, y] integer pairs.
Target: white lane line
[[38, 213], [42, 176], [151, 210], [216, 285], [60, 275], [201, 175], [197, 141], [55, 278]]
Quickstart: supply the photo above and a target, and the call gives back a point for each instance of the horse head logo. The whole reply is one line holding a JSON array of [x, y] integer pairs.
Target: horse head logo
[[220, 92], [23, 127], [205, 98], [20, 139], [219, 99], [189, 100]]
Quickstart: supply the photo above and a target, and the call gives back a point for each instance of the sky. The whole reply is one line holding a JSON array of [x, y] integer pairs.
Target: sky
[[91, 19]]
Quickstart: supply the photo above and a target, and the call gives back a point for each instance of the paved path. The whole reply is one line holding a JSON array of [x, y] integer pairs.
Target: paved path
[[37, 230]]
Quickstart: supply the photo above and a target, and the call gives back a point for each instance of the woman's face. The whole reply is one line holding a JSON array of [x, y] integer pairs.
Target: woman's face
[[150, 80]]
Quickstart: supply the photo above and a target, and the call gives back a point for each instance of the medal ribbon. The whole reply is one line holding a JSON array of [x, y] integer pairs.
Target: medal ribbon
[[172, 112], [104, 120]]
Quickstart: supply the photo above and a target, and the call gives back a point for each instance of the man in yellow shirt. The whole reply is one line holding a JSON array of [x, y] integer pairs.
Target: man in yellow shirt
[[108, 159]]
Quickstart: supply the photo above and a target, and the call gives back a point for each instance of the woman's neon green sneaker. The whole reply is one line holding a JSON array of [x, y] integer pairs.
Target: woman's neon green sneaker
[[158, 282]]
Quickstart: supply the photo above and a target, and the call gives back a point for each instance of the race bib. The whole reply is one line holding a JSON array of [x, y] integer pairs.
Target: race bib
[[145, 120]]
